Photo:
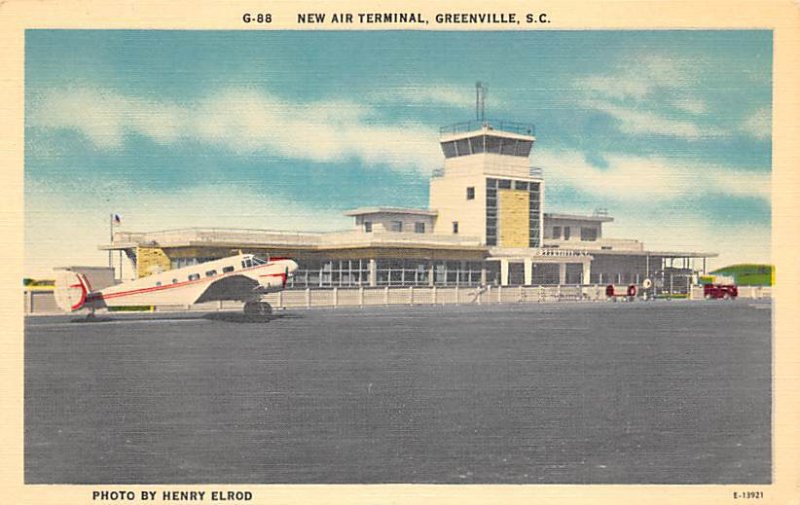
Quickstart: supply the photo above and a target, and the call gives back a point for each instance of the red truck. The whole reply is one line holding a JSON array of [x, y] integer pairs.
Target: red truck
[[720, 291]]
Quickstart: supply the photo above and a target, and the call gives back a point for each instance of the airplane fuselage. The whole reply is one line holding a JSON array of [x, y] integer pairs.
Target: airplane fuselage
[[241, 278]]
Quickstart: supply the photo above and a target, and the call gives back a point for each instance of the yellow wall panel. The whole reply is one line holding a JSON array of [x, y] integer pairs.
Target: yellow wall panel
[[150, 260], [513, 217]]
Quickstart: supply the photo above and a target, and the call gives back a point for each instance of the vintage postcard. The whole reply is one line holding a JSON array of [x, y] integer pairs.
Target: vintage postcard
[[342, 253]]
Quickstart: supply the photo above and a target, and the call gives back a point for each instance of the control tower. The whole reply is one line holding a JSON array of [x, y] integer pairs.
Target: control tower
[[487, 187]]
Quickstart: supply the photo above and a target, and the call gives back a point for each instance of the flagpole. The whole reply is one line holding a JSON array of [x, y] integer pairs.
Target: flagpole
[[110, 239]]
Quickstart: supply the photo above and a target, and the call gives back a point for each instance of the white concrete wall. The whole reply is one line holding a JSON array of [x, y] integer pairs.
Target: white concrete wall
[[448, 196]]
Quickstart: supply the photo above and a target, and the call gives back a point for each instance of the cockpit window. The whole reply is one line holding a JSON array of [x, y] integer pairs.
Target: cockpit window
[[257, 261]]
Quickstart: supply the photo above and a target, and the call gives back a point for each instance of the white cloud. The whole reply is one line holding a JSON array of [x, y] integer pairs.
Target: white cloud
[[637, 77], [688, 232], [690, 105], [245, 122], [633, 178], [105, 117], [643, 122], [461, 97], [615, 87], [759, 124], [62, 229], [648, 94]]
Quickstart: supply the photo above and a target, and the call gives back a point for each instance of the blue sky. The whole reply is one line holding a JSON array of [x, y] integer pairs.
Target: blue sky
[[669, 130]]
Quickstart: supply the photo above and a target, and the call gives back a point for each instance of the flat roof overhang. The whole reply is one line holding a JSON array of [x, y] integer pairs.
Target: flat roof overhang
[[577, 217], [661, 254], [364, 211], [384, 249]]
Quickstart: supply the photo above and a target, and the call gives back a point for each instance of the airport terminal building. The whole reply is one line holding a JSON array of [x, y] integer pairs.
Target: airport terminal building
[[485, 225]]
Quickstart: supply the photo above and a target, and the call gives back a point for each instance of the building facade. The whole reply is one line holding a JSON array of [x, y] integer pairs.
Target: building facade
[[485, 225]]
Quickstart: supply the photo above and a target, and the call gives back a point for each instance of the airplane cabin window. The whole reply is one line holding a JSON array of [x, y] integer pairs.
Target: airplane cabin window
[[226, 270], [158, 283], [194, 277], [174, 281], [211, 273]]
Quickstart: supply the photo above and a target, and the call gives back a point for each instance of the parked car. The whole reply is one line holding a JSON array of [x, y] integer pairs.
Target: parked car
[[720, 291]]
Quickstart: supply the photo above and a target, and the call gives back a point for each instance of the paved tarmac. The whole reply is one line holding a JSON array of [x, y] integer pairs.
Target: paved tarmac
[[659, 392]]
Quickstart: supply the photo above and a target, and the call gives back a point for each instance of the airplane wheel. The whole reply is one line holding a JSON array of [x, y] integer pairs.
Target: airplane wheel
[[257, 309]]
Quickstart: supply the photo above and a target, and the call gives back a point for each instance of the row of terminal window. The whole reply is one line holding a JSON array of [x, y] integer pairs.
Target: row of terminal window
[[396, 226], [587, 234], [247, 263]]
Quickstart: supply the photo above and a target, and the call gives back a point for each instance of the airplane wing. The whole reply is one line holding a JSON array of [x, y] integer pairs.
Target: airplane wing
[[234, 287]]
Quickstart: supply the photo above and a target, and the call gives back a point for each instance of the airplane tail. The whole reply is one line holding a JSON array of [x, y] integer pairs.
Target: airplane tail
[[71, 290]]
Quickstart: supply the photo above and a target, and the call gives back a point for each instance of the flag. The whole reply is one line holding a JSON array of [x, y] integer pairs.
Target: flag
[[116, 219]]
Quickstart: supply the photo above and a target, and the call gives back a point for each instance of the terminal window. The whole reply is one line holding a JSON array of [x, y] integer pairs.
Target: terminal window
[[556, 232], [471, 193], [566, 233], [368, 226], [419, 227], [455, 226], [588, 234], [396, 226]]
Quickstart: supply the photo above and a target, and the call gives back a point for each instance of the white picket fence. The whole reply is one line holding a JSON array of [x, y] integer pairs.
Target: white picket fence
[[43, 303]]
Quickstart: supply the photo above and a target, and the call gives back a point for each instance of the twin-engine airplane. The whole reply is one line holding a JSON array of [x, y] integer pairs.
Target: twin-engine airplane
[[242, 278]]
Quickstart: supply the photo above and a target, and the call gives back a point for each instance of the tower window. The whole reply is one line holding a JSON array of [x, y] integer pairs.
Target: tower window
[[368, 226], [477, 144], [449, 149], [471, 193], [462, 147], [566, 233], [396, 226], [455, 226]]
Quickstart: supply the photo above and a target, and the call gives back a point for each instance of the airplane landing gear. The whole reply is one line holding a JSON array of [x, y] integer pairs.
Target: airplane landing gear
[[257, 309]]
